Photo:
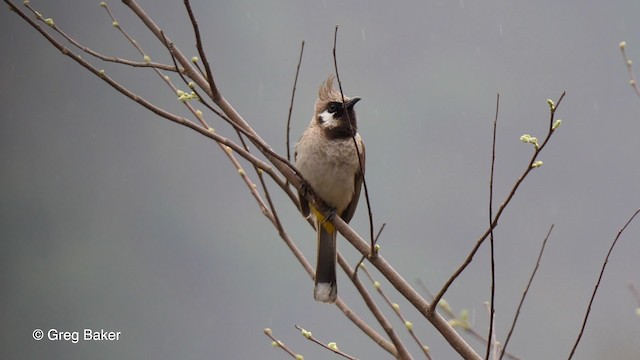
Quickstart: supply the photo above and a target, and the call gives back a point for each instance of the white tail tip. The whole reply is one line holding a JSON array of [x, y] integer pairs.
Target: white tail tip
[[324, 292]]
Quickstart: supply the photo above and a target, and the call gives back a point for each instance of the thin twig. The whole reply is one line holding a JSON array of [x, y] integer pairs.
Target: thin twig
[[375, 241], [200, 47], [366, 329], [595, 289], [331, 346], [279, 344], [492, 309], [524, 294], [355, 143], [629, 63], [293, 94]]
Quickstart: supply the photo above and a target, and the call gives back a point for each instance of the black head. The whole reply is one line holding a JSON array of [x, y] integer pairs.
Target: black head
[[338, 120]]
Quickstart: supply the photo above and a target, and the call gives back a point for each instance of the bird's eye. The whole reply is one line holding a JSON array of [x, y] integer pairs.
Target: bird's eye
[[333, 107]]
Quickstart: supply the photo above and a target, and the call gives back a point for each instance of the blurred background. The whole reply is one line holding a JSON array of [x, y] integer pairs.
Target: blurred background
[[113, 218]]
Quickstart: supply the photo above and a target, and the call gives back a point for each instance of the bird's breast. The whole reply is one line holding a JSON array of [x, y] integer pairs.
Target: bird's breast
[[330, 166]]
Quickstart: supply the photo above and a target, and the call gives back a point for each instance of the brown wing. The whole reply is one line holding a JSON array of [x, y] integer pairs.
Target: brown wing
[[347, 214], [304, 205]]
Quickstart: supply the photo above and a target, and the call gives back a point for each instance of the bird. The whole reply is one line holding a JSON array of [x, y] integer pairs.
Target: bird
[[330, 156]]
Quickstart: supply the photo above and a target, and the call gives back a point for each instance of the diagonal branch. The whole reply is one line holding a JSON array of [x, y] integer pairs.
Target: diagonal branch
[[524, 294], [595, 290]]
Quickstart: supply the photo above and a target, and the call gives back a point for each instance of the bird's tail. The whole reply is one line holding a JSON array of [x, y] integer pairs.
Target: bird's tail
[[326, 287]]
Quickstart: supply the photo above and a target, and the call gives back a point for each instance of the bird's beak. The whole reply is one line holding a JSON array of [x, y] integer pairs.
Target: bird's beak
[[352, 102]]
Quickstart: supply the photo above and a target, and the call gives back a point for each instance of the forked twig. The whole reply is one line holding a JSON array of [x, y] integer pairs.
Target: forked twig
[[533, 163]]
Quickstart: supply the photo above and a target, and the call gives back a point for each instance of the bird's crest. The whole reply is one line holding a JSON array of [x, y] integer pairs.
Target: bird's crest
[[327, 92]]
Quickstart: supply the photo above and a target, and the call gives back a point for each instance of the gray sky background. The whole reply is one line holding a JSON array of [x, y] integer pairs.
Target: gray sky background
[[113, 218]]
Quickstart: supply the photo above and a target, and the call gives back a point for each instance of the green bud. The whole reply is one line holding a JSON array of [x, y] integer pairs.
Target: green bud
[[623, 44], [103, 4], [536, 164], [307, 334], [115, 24], [376, 284], [147, 59], [556, 124], [332, 345], [299, 357], [409, 325], [395, 306], [551, 104], [49, 21], [267, 331], [195, 59]]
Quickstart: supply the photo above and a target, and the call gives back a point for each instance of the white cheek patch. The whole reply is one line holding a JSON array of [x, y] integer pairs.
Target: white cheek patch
[[328, 121]]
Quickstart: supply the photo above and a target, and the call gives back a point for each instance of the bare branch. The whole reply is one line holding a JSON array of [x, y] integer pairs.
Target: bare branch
[[524, 294], [364, 177], [492, 309], [279, 344], [293, 94], [331, 346], [595, 289]]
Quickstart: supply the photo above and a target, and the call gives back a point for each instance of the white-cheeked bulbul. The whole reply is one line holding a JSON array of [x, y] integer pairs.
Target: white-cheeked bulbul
[[327, 158]]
